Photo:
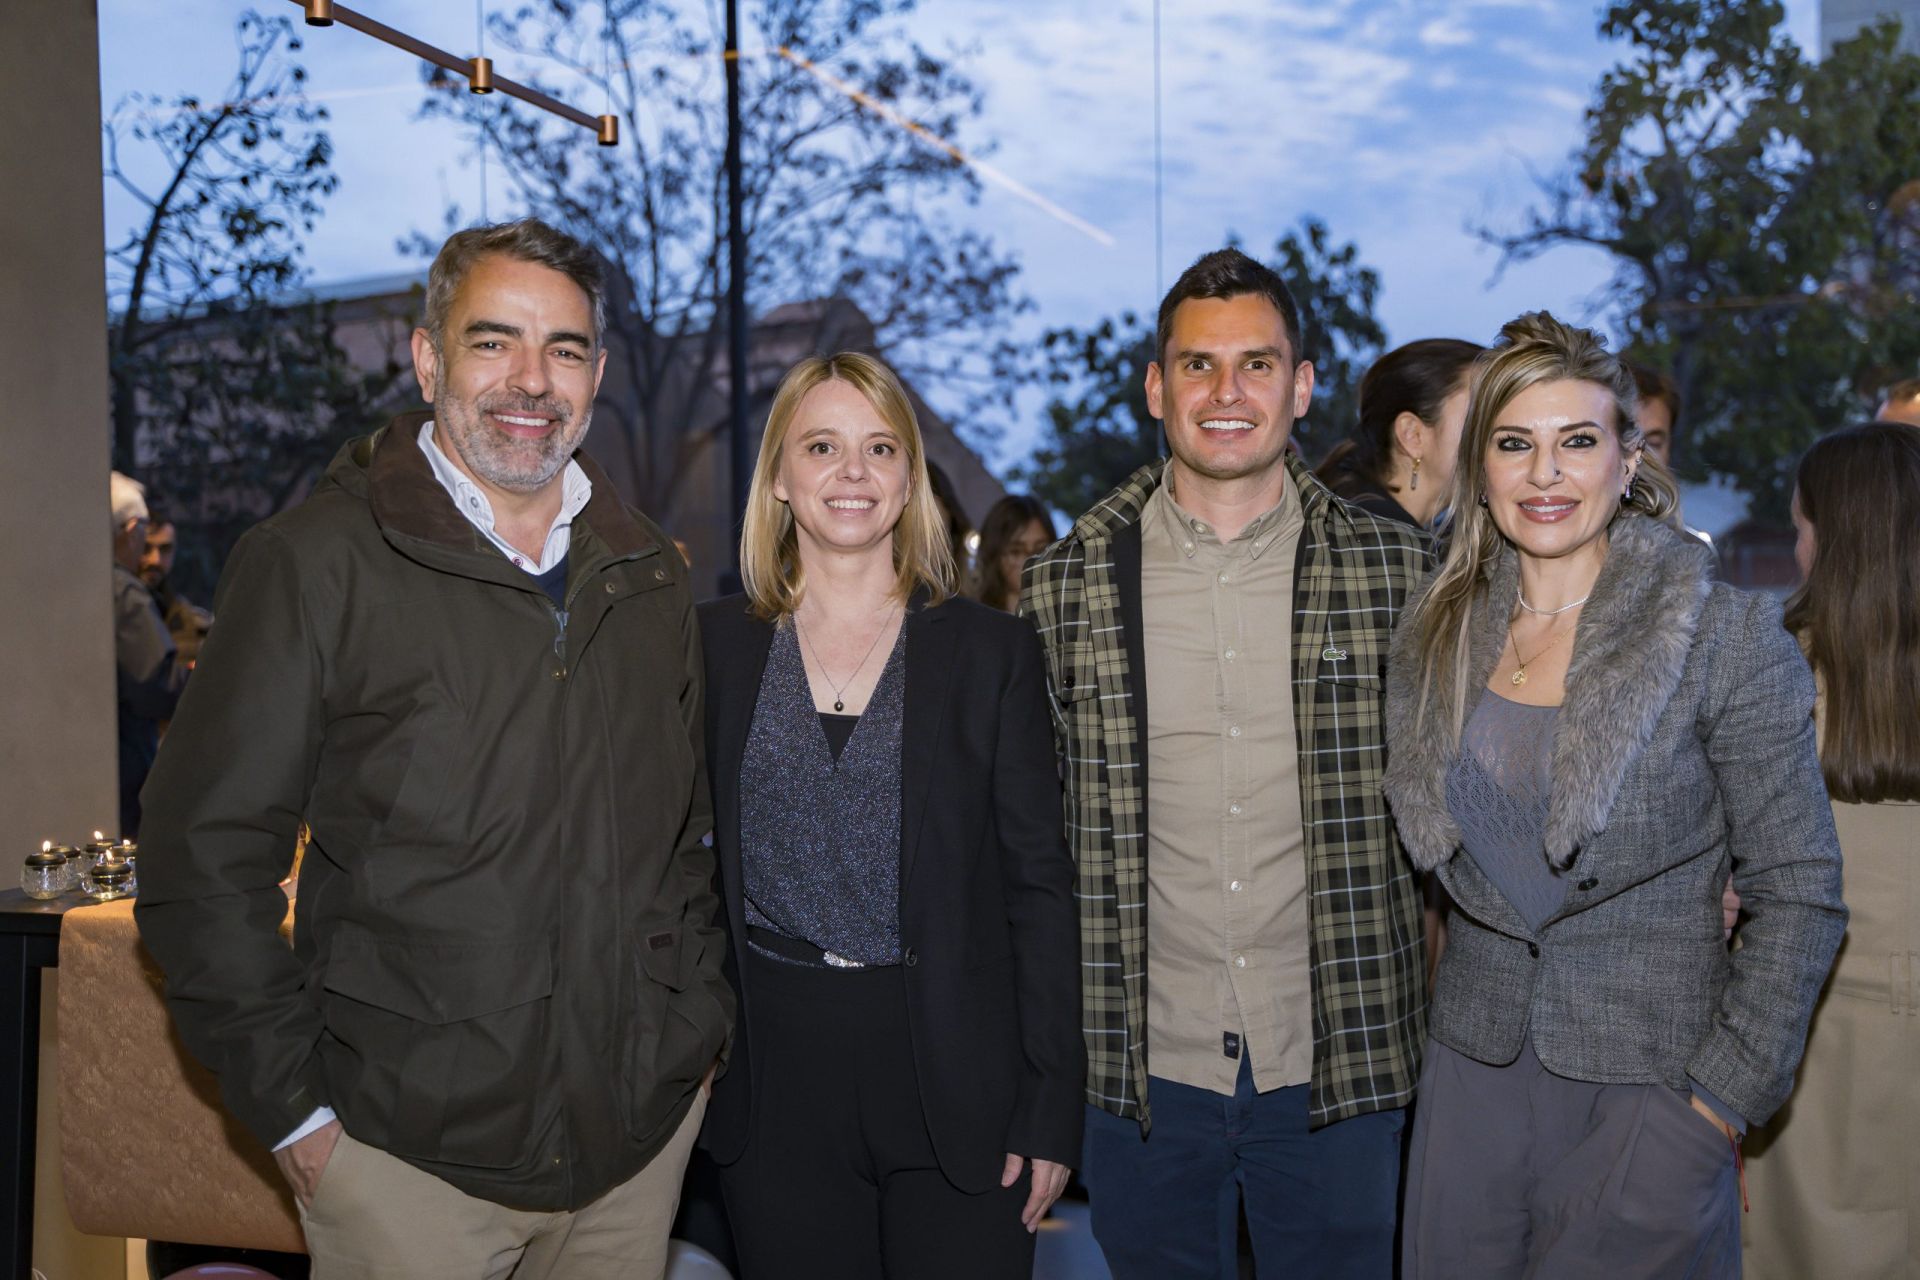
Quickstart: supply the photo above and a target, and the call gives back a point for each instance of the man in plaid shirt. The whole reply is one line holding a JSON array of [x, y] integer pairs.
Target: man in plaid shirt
[[1255, 934]]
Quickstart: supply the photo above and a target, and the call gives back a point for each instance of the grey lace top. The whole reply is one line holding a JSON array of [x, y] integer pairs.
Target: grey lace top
[[819, 829], [1497, 791]]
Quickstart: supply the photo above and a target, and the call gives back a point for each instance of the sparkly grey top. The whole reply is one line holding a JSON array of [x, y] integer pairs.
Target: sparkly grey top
[[1497, 791], [820, 837]]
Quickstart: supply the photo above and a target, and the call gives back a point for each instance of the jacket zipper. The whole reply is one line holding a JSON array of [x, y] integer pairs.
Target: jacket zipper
[[560, 615], [559, 636]]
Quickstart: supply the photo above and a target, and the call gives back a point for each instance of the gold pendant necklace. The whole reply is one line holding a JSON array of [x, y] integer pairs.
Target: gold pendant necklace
[[1520, 671]]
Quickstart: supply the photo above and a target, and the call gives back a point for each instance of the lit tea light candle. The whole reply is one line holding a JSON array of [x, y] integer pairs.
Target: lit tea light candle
[[45, 873]]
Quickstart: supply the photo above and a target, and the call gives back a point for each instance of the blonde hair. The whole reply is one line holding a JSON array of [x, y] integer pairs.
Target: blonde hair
[[769, 546], [1534, 349]]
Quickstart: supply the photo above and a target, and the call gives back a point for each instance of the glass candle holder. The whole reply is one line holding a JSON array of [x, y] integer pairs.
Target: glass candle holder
[[109, 879], [45, 874], [128, 850], [70, 860]]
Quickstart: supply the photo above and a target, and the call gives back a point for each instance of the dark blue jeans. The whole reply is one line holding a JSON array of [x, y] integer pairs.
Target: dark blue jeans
[[1320, 1204]]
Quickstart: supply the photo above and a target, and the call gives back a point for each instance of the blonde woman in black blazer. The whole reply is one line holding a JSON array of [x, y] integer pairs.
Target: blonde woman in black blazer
[[904, 1093]]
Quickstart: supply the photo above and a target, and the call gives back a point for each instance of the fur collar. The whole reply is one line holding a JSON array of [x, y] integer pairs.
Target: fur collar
[[1628, 656]]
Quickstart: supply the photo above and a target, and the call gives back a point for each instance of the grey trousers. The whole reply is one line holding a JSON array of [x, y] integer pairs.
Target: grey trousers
[[1516, 1172]]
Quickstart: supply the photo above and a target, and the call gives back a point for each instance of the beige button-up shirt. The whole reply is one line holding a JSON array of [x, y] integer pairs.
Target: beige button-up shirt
[[1227, 951]]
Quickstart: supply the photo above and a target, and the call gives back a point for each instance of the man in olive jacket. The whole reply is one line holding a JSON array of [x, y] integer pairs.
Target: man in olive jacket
[[474, 675]]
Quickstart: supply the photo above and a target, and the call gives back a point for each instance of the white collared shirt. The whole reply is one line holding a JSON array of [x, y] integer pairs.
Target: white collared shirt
[[472, 503]]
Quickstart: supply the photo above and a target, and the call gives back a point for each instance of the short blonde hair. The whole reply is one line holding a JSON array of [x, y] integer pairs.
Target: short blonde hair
[[769, 547]]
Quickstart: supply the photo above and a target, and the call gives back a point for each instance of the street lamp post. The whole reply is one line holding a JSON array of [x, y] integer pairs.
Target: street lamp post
[[741, 450]]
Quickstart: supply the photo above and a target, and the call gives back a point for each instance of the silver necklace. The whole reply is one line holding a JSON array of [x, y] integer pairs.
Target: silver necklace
[[1554, 613], [839, 703]]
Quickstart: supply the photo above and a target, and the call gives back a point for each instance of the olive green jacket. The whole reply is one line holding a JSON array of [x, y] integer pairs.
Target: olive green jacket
[[505, 967]]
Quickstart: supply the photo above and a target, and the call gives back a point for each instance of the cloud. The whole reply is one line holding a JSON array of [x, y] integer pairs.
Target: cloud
[[1444, 33]]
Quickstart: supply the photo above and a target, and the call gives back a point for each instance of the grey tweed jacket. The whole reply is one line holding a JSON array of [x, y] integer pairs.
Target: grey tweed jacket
[[1685, 744]]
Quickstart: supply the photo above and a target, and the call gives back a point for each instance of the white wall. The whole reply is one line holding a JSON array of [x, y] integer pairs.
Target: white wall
[[57, 758]]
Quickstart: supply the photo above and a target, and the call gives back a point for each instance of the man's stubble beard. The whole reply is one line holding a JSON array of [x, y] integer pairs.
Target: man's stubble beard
[[517, 466]]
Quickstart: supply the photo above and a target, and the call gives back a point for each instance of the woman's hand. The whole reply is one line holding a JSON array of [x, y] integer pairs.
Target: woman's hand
[[1049, 1180], [1733, 1134], [1729, 908]]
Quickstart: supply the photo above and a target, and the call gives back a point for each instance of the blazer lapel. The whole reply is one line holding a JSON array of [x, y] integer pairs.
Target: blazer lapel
[[930, 642], [734, 699], [1628, 657]]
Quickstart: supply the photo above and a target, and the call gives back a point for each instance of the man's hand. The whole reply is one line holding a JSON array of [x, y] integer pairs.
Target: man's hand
[[1729, 908], [1049, 1180], [303, 1162]]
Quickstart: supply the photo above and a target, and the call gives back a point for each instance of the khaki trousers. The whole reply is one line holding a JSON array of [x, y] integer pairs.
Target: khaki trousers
[[376, 1217]]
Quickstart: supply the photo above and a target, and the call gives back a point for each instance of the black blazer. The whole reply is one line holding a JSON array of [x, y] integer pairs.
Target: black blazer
[[988, 934]]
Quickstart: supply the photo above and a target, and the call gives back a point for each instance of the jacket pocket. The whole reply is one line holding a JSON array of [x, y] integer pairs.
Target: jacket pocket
[[678, 1027], [445, 1042]]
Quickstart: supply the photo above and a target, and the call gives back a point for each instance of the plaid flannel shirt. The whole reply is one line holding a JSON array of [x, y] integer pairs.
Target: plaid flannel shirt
[[1354, 573]]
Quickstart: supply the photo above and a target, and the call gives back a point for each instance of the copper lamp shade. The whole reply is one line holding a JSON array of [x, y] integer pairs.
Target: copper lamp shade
[[478, 70]]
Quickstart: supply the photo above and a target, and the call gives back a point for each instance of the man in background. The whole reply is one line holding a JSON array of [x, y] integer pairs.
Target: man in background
[[186, 621], [1658, 412], [1902, 403], [148, 675]]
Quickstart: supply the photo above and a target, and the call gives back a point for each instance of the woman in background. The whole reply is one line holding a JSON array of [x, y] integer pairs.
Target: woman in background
[[1398, 463], [1016, 529], [1398, 460], [905, 1092], [1834, 1181]]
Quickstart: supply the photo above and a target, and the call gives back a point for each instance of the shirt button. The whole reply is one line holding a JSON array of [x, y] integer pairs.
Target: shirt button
[[910, 958], [610, 588], [1229, 655], [1223, 578], [1189, 548], [1235, 810], [519, 562], [1235, 886], [1234, 732], [559, 673], [1239, 962]]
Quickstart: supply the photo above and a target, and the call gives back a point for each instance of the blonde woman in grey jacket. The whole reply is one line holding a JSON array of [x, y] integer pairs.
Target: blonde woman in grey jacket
[[1586, 732]]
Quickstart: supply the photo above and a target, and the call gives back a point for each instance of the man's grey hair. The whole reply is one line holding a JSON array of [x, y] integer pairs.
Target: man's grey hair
[[128, 498], [527, 240]]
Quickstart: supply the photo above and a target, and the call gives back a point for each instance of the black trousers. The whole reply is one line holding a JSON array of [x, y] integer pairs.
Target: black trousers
[[839, 1179]]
